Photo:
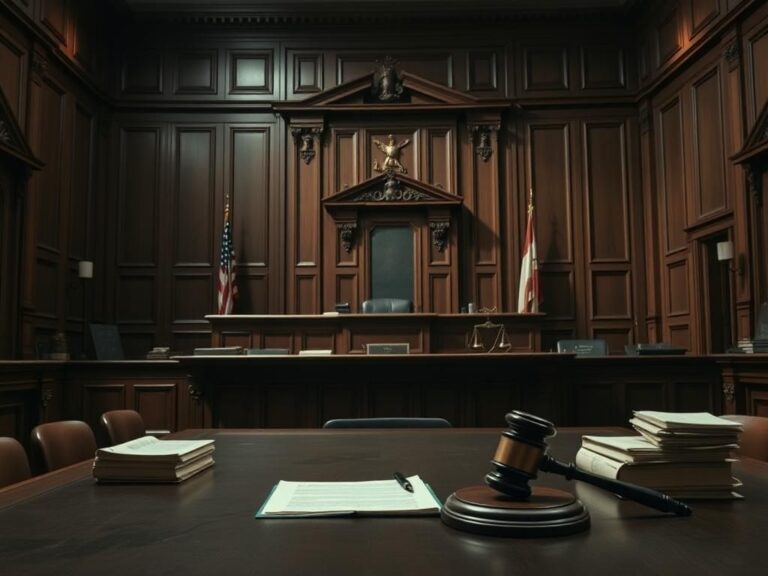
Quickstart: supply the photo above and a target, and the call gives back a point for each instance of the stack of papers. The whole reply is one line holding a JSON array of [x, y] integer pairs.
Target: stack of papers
[[372, 498], [686, 455], [148, 459]]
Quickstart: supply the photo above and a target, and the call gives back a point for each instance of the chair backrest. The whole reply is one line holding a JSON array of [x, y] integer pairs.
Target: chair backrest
[[59, 444], [386, 306], [583, 347], [753, 441], [14, 465], [118, 426], [388, 423]]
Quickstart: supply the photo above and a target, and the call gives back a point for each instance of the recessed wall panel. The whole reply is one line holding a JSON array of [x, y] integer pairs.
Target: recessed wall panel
[[195, 178]]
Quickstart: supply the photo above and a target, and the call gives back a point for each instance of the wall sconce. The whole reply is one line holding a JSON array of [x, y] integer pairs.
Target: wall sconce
[[85, 269], [725, 250], [489, 336], [725, 254]]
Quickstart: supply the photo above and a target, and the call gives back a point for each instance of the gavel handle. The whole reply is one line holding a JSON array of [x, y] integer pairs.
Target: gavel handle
[[645, 496]]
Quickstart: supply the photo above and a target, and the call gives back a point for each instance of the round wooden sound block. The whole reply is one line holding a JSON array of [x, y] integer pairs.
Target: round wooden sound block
[[483, 510]]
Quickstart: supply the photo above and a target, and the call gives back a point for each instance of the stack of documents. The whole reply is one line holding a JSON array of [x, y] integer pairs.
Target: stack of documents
[[372, 498], [686, 455], [148, 459]]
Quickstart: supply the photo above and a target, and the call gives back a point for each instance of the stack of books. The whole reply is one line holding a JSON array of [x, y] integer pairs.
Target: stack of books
[[753, 346], [685, 455], [148, 459], [159, 353]]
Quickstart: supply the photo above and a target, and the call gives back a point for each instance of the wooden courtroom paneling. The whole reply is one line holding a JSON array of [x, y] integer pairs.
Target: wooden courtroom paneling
[[13, 69], [54, 16]]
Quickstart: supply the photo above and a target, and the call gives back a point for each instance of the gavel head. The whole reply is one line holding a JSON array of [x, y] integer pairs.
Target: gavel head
[[519, 453]]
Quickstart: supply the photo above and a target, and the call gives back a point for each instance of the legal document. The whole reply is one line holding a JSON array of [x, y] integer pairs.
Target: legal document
[[370, 498]]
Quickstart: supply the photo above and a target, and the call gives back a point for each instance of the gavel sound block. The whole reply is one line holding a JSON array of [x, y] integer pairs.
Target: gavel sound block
[[507, 506]]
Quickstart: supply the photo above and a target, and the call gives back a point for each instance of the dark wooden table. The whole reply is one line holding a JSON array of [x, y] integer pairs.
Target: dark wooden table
[[206, 525]]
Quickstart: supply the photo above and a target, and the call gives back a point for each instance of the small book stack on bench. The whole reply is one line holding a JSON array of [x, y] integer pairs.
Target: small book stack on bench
[[148, 459], [685, 455]]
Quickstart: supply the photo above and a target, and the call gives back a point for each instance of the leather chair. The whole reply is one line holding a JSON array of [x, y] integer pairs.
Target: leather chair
[[59, 444], [583, 347], [118, 426], [753, 441], [387, 306], [388, 423], [14, 465]]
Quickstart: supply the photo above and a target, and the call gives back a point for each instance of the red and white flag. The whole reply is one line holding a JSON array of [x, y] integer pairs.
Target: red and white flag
[[225, 285], [529, 296]]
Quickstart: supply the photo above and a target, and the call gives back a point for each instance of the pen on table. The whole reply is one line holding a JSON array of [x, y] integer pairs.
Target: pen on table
[[403, 481]]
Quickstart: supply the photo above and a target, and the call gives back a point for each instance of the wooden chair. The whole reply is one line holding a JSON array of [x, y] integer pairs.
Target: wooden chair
[[387, 306], [118, 426], [753, 442], [388, 423], [14, 465], [59, 444]]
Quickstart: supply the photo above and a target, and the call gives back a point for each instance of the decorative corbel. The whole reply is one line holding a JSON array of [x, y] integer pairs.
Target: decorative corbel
[[195, 389], [481, 137], [732, 55], [347, 234], [729, 390], [39, 64], [439, 234], [644, 117], [5, 135], [46, 395], [305, 138], [754, 182]]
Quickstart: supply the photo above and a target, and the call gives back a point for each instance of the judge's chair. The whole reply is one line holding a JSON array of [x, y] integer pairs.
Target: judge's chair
[[118, 426], [387, 306], [753, 441], [14, 465], [388, 423], [59, 444], [583, 347]]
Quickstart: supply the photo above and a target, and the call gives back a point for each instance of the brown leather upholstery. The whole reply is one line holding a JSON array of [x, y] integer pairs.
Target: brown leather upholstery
[[59, 444], [753, 442], [118, 426], [14, 465]]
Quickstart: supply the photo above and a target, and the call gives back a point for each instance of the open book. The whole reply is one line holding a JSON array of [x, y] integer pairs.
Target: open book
[[372, 498]]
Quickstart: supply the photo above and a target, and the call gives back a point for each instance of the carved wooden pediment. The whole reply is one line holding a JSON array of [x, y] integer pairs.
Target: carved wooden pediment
[[391, 189], [388, 90], [12, 141], [754, 154]]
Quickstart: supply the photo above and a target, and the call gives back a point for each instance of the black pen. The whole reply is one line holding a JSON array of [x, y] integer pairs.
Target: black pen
[[403, 481]]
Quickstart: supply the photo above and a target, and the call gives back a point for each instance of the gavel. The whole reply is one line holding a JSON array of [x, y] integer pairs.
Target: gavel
[[522, 452]]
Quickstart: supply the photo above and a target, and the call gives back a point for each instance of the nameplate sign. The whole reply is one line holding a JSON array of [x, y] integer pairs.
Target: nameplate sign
[[394, 348]]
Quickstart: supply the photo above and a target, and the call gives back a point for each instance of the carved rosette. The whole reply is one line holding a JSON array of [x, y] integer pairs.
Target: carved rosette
[[305, 140], [439, 234], [347, 234], [481, 137]]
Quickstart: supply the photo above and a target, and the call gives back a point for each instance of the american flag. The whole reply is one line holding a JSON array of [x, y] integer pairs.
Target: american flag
[[529, 296], [226, 287]]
